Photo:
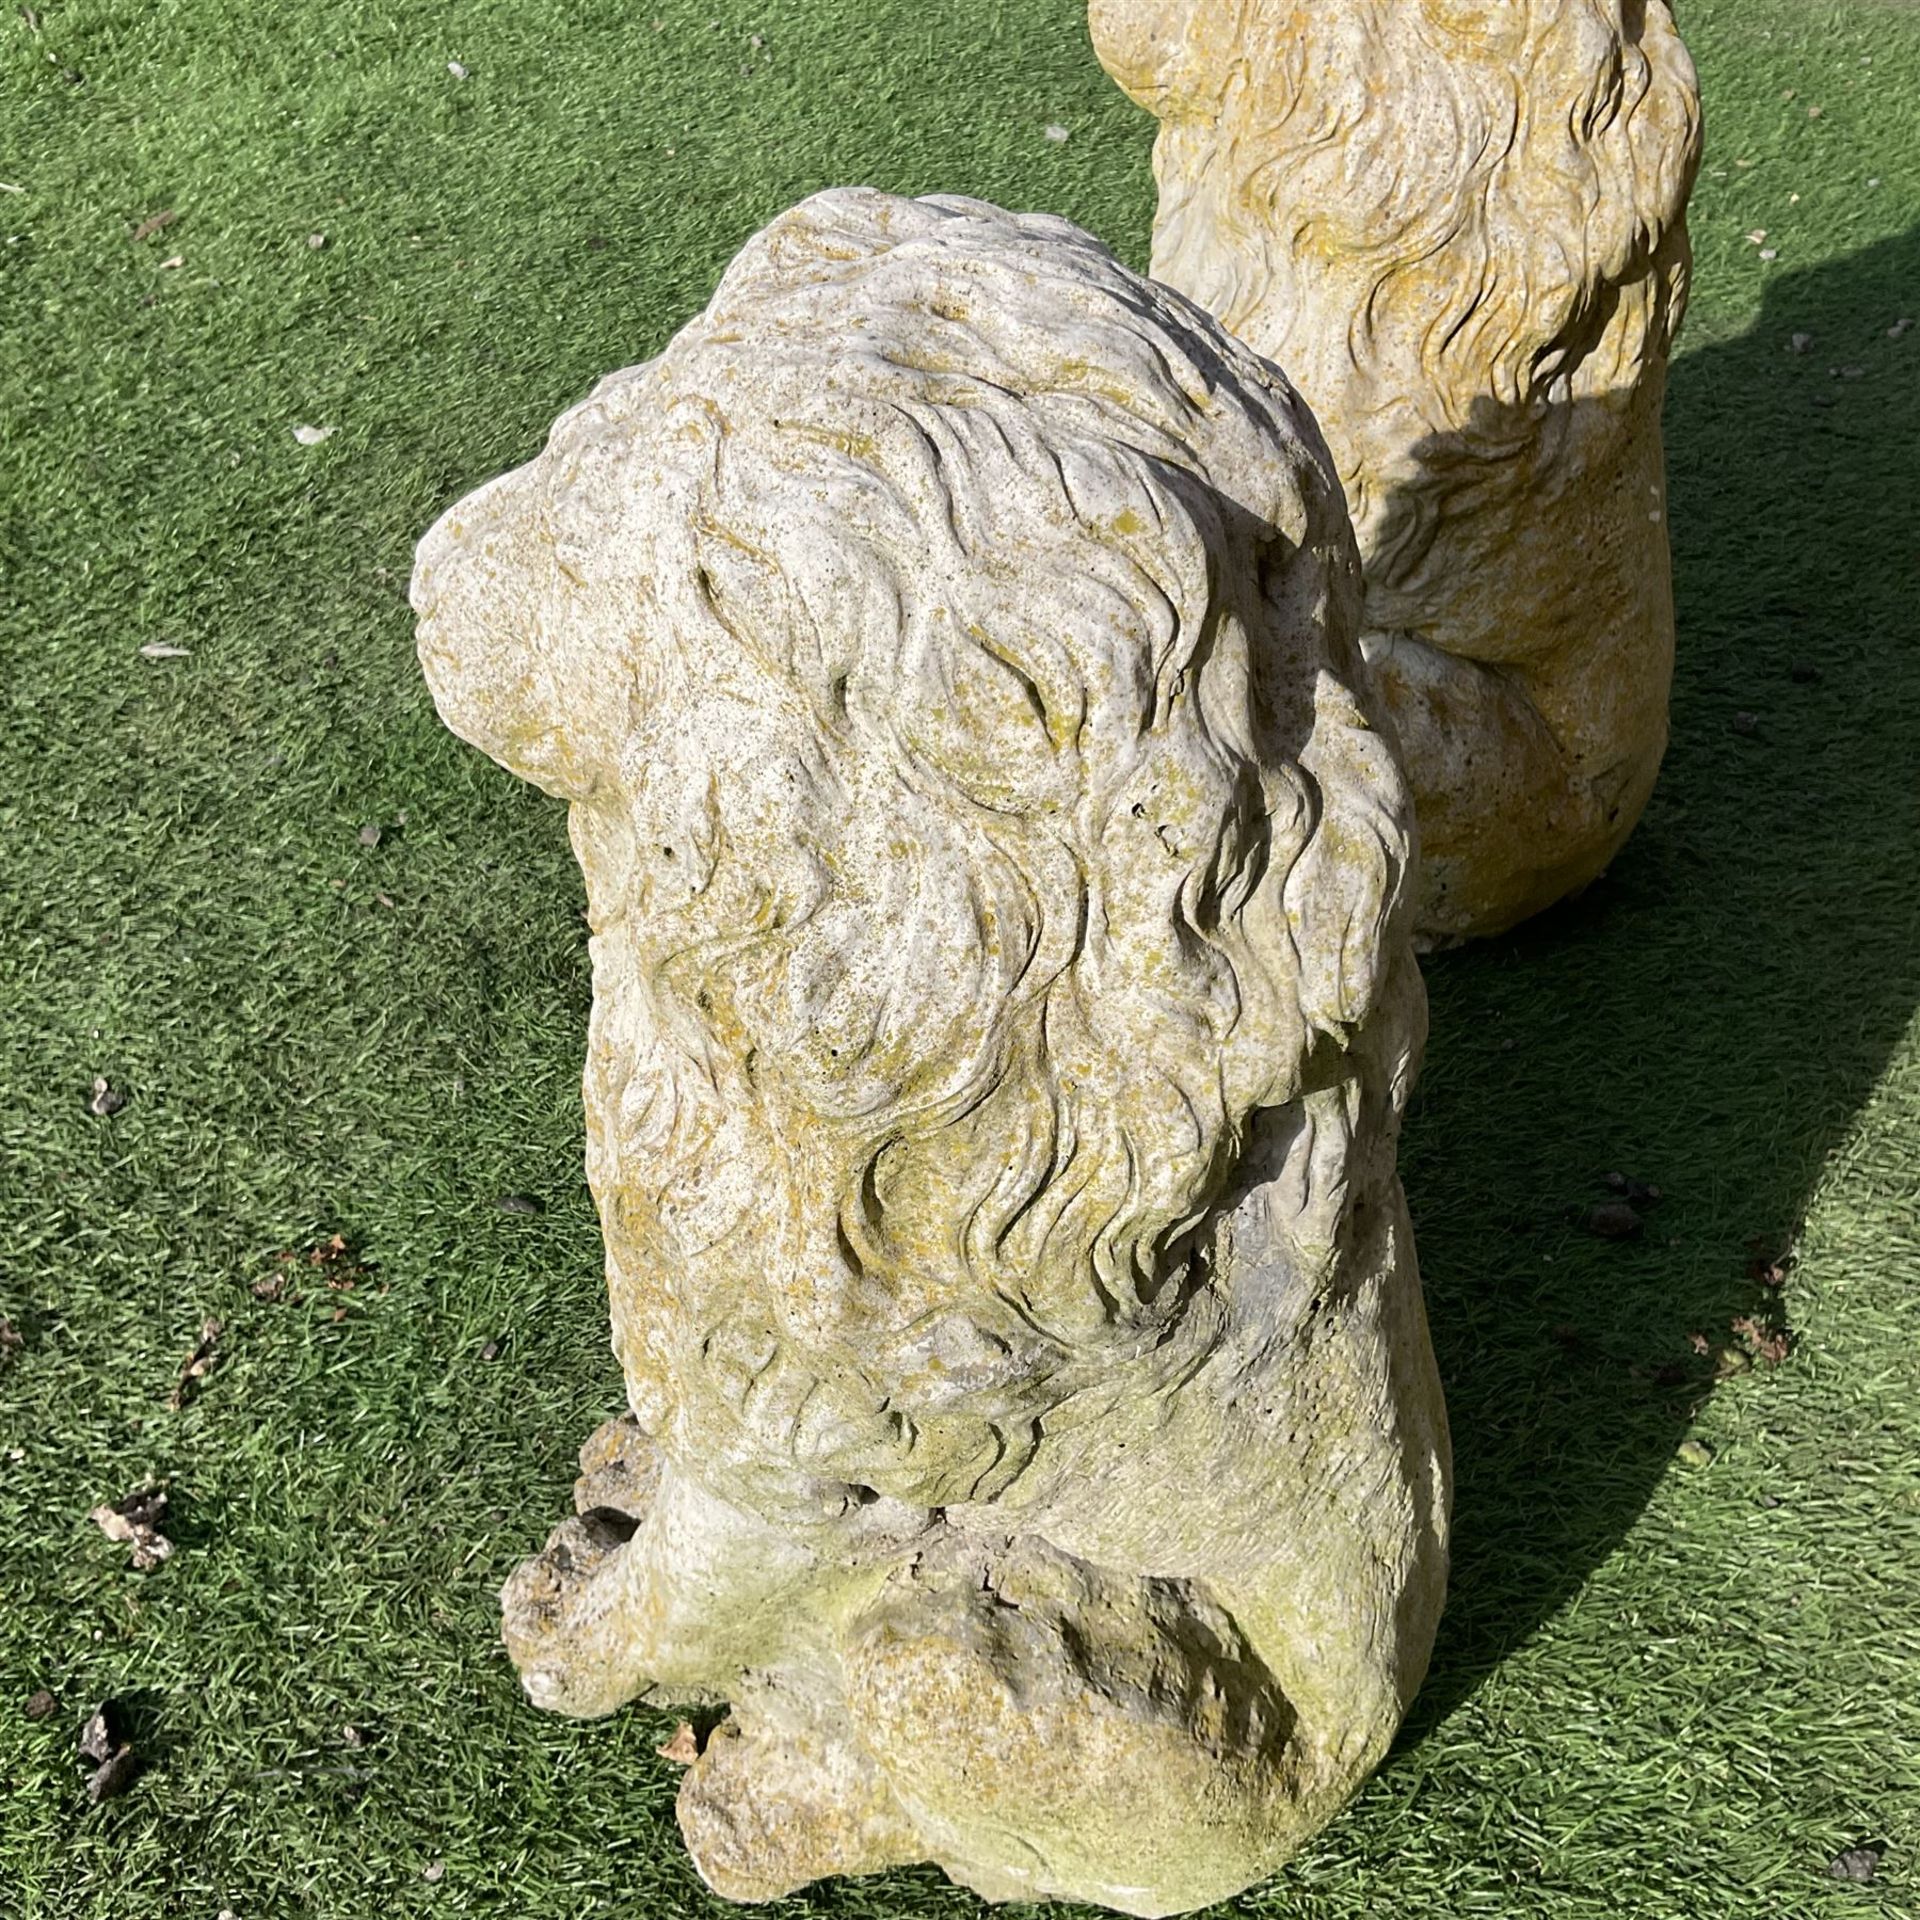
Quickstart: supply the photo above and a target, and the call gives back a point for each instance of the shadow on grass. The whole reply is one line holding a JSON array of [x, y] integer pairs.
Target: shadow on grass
[[1711, 1016]]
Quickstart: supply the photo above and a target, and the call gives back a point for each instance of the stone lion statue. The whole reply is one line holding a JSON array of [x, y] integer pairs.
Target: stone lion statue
[[1460, 225], [1003, 1009]]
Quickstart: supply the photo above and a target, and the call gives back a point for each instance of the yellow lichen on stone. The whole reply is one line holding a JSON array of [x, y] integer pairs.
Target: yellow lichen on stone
[[1461, 229], [1003, 1008]]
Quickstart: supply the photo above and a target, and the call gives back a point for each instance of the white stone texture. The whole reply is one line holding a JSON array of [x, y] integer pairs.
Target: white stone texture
[[1003, 1009], [1460, 225]]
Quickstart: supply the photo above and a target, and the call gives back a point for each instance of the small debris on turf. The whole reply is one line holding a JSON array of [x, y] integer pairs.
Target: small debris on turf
[[355, 1737], [683, 1749], [1800, 343], [199, 1363], [175, 260], [316, 241], [1857, 1863], [1694, 1453], [370, 835], [152, 225], [1056, 133], [312, 436], [106, 1100], [520, 1203], [1903, 325], [433, 1871], [41, 1705], [11, 1338], [1768, 1345], [104, 1742], [1700, 1344], [456, 69], [491, 1351], [136, 1521], [1638, 1193], [1611, 1220], [32, 17], [1747, 724], [1765, 1265], [162, 650]]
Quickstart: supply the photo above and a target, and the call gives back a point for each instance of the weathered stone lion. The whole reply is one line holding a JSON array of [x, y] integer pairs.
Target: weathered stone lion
[[1003, 1009], [1460, 226]]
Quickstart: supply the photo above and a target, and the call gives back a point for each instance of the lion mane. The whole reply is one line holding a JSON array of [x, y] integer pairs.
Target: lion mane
[[984, 827], [1460, 226]]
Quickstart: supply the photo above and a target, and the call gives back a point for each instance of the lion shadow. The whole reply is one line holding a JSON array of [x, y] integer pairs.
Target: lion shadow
[[1709, 1017]]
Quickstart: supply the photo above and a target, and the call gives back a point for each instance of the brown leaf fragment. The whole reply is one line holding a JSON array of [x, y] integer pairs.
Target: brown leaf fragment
[[41, 1705], [11, 1338], [1613, 1220], [1768, 1345], [200, 1362], [114, 1775], [101, 1733], [153, 223], [136, 1522], [1857, 1863], [271, 1287], [1700, 1343], [683, 1749]]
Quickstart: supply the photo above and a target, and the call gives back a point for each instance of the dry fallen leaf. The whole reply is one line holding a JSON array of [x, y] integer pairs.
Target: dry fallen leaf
[[104, 1743], [1857, 1863], [1694, 1453], [153, 223], [683, 1749], [41, 1705], [1612, 1220], [136, 1521], [1768, 1345], [200, 1362]]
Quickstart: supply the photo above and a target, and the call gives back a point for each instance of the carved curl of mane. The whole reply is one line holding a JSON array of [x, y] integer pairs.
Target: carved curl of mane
[[982, 745], [1432, 150]]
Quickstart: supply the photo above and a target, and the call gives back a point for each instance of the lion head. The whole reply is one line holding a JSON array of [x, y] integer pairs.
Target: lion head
[[947, 648]]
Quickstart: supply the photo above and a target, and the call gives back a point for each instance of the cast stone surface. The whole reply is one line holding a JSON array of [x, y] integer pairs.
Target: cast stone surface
[[1003, 1010], [1460, 225]]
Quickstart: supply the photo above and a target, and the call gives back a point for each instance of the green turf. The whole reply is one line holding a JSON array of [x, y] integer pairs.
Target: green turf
[[1655, 1694]]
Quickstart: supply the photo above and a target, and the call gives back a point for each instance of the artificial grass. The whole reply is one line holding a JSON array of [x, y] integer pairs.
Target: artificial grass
[[1656, 1694]]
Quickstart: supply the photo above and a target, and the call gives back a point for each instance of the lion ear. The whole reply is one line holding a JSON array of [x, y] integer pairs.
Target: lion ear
[[1146, 45], [1344, 894]]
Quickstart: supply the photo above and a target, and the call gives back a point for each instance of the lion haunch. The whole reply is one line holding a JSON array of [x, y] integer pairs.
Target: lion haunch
[[1461, 228], [1003, 1009]]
